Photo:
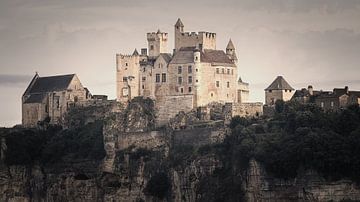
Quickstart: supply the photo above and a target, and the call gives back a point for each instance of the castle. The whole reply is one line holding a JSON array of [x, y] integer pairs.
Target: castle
[[194, 74]]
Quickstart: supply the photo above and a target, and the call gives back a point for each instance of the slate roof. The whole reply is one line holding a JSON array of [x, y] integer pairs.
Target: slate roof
[[35, 98], [183, 55], [51, 83], [279, 84], [179, 23], [215, 57], [166, 56], [230, 45]]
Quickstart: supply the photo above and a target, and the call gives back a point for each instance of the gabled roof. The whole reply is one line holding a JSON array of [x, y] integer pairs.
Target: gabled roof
[[183, 55], [279, 84], [215, 57], [166, 56], [51, 83], [135, 52]]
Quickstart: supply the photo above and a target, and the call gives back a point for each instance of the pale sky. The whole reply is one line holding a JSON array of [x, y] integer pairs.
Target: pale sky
[[307, 41]]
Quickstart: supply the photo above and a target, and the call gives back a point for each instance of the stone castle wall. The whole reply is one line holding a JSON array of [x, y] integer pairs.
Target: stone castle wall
[[245, 109], [169, 106]]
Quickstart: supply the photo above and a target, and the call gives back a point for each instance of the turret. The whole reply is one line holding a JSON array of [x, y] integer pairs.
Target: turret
[[230, 51], [179, 26]]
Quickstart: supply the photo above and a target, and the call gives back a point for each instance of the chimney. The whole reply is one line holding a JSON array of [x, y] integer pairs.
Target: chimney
[[143, 51], [310, 89], [346, 89]]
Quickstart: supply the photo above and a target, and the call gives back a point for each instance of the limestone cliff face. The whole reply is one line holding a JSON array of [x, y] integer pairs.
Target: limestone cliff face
[[180, 162]]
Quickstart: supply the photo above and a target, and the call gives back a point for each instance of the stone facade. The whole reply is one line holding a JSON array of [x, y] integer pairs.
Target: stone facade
[[51, 97], [328, 100], [194, 69], [279, 89]]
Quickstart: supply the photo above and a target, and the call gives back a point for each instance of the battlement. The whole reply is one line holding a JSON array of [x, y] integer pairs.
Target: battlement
[[197, 34], [123, 56], [157, 35]]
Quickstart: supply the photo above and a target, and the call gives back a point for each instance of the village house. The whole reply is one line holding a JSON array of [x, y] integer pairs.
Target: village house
[[50, 98], [328, 100]]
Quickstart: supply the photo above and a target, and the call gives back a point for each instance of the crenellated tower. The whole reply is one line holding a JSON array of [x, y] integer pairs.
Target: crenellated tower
[[127, 76], [200, 40], [157, 43]]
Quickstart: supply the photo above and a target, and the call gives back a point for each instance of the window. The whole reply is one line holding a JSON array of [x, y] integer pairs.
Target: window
[[180, 80], [232, 71], [163, 77], [190, 89], [228, 71], [212, 94], [151, 47], [332, 104], [126, 64], [196, 70], [196, 58], [190, 79], [223, 70], [144, 78], [124, 79], [197, 80], [270, 91], [217, 70], [218, 84], [190, 69], [322, 104], [157, 78], [143, 87], [290, 91], [228, 84], [181, 90], [179, 69], [57, 102]]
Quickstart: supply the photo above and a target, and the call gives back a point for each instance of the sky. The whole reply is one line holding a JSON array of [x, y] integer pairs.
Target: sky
[[313, 42]]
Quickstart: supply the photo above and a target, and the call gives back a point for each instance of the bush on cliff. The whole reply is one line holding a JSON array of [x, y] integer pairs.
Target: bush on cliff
[[305, 137], [80, 143]]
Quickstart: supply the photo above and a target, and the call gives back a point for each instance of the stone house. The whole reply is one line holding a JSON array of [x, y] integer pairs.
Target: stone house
[[50, 97], [328, 100], [279, 89]]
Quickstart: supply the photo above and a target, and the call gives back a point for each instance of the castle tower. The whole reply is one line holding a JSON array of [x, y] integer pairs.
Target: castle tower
[[179, 30], [157, 43], [127, 76], [230, 51]]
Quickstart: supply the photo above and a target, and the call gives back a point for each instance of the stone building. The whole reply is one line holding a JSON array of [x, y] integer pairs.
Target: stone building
[[279, 89], [51, 97], [194, 74], [328, 100]]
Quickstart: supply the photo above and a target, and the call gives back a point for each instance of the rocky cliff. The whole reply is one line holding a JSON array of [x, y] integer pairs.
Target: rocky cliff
[[126, 158]]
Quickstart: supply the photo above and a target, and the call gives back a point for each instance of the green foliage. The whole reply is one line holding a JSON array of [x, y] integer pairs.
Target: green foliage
[[53, 145], [81, 143], [237, 120], [158, 186], [301, 137]]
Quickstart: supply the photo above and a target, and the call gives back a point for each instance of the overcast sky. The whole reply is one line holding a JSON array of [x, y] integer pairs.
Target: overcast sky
[[307, 41]]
